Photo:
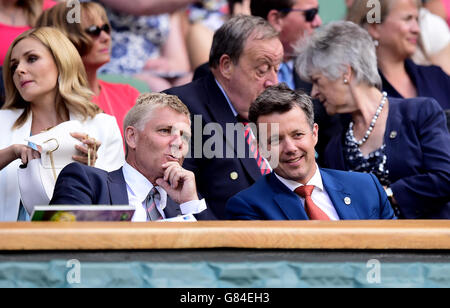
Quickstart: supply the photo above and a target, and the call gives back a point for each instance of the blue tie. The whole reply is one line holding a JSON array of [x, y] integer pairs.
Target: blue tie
[[286, 75]]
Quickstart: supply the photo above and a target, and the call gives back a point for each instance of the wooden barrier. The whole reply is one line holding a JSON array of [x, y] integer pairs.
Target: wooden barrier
[[406, 234]]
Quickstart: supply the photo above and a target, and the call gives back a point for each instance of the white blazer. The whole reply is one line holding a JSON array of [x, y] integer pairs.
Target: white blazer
[[103, 128]]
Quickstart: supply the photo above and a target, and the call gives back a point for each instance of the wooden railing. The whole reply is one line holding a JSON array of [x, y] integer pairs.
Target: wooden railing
[[406, 234]]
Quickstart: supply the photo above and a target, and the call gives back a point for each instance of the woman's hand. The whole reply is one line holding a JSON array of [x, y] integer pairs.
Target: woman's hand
[[25, 153], [17, 151], [88, 150]]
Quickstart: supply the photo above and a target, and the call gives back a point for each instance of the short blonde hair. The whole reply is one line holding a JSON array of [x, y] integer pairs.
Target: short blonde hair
[[73, 92], [146, 103]]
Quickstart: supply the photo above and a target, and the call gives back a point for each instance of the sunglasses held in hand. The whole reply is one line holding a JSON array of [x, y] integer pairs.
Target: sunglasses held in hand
[[95, 30]]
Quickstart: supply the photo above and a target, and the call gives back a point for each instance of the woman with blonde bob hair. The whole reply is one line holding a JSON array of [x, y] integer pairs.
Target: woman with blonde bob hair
[[46, 85]]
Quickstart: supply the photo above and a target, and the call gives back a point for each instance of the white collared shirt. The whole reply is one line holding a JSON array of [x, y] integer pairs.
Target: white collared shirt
[[138, 187], [289, 78], [319, 194]]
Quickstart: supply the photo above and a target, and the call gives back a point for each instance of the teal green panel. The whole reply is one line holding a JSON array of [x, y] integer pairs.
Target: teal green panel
[[223, 275], [331, 10]]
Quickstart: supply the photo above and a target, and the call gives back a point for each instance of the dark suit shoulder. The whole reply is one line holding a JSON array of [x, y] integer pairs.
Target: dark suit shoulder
[[346, 177], [81, 169]]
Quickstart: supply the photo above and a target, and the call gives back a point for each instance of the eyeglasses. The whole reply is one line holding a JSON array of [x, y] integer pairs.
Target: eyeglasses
[[95, 31], [310, 14]]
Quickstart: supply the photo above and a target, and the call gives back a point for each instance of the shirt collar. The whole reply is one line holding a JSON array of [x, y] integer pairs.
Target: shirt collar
[[289, 64], [235, 113], [316, 180], [139, 186]]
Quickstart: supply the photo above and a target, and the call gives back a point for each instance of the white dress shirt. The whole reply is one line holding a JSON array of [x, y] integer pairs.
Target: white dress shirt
[[138, 187], [319, 194]]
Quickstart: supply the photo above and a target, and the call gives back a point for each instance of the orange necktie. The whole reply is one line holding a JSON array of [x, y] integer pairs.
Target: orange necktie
[[313, 211]]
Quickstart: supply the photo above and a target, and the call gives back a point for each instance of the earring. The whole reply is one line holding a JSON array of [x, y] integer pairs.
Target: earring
[[376, 43], [345, 81]]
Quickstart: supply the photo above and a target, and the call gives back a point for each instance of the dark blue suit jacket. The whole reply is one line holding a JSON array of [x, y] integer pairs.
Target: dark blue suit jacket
[[218, 179], [269, 199], [430, 81], [79, 184], [329, 126], [418, 157]]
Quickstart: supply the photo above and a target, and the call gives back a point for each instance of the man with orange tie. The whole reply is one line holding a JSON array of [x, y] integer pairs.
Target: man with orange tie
[[298, 189]]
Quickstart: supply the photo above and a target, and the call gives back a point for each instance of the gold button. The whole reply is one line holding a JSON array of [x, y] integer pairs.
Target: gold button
[[347, 200], [234, 175], [393, 134]]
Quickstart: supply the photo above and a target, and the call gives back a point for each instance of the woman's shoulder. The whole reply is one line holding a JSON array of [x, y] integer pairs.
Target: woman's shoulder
[[414, 104], [118, 88], [10, 114], [418, 109], [102, 118], [428, 70]]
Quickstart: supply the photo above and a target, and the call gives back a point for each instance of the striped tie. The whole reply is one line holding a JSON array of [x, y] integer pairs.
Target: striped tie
[[150, 205], [254, 152]]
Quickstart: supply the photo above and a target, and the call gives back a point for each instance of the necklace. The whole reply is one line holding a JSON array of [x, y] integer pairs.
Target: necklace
[[372, 123]]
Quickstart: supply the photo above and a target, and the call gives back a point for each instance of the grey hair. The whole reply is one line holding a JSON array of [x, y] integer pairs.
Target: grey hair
[[230, 39], [336, 46], [280, 99]]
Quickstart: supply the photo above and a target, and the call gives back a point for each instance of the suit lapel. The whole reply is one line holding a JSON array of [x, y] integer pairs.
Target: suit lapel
[[288, 201], [117, 188], [221, 113], [338, 195]]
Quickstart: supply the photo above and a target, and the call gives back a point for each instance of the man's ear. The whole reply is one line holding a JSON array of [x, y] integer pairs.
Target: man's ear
[[226, 66], [315, 133], [131, 137], [275, 18]]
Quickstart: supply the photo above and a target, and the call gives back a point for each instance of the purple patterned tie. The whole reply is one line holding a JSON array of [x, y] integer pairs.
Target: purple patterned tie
[[150, 204]]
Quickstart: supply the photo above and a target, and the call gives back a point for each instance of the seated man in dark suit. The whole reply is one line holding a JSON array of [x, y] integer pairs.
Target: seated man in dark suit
[[244, 60], [157, 133], [298, 189]]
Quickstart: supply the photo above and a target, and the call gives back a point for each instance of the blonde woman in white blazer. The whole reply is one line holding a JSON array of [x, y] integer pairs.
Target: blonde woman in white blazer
[[46, 85]]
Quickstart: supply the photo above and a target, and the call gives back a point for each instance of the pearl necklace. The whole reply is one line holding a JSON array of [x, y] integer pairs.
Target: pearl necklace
[[372, 123]]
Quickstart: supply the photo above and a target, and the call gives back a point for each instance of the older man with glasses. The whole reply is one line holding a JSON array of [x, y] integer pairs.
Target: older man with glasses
[[295, 20]]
